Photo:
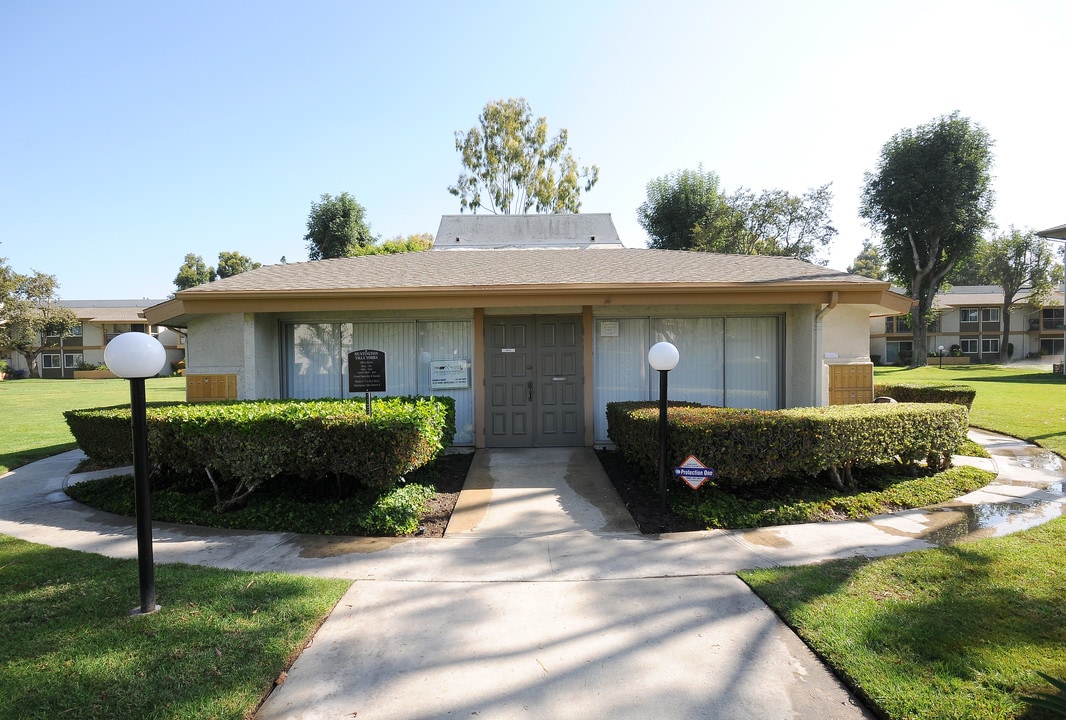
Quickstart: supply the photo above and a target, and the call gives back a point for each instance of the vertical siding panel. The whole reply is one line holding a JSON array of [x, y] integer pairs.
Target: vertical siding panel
[[621, 367], [752, 363], [313, 362], [700, 372], [449, 340], [397, 340]]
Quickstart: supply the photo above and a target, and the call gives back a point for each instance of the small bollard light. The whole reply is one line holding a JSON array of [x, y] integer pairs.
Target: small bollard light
[[136, 356], [663, 357]]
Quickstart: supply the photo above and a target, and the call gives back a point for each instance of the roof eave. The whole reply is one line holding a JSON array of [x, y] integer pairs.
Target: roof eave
[[176, 313]]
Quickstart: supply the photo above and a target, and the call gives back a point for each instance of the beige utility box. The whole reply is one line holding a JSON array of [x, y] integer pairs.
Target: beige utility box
[[205, 388], [851, 382]]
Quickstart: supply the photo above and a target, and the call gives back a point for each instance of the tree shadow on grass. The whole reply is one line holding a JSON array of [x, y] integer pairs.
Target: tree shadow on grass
[[212, 651], [972, 621], [1037, 378]]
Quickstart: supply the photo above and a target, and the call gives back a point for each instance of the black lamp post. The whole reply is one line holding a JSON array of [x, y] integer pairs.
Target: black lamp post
[[940, 352], [136, 356], [663, 357]]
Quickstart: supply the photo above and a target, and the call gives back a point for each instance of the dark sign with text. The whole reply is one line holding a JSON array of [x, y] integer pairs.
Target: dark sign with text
[[366, 371]]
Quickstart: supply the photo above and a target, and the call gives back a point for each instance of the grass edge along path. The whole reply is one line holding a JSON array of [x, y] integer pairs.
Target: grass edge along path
[[214, 650], [1020, 401], [32, 409], [955, 632]]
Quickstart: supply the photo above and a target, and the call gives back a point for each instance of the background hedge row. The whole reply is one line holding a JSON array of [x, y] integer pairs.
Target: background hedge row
[[326, 445], [752, 446], [910, 392]]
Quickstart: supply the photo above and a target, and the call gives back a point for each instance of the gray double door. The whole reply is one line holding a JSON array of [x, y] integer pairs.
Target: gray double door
[[535, 383]]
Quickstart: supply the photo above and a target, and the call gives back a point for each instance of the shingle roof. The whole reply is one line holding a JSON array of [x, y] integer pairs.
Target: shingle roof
[[111, 314], [527, 267], [974, 296]]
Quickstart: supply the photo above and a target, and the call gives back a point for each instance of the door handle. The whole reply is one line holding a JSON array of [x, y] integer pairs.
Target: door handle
[[530, 391]]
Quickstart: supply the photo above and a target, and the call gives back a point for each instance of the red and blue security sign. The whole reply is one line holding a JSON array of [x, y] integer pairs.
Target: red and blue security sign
[[693, 472]]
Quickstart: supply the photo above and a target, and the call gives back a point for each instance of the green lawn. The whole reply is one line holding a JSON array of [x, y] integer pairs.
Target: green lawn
[[32, 410], [958, 632], [1022, 402], [953, 633], [69, 650], [213, 651]]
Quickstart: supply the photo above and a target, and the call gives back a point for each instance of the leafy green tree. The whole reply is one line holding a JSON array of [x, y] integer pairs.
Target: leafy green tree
[[233, 263], [194, 271], [30, 313], [399, 244], [775, 222], [683, 209], [510, 165], [687, 210], [336, 227], [971, 272], [1014, 260], [868, 262], [931, 198]]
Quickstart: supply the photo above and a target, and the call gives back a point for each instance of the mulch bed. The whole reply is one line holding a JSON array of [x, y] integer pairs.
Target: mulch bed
[[449, 474], [641, 497]]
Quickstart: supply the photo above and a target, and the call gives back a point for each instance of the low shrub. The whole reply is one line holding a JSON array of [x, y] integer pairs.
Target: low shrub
[[925, 393], [796, 500], [105, 434], [393, 513], [753, 446], [329, 446]]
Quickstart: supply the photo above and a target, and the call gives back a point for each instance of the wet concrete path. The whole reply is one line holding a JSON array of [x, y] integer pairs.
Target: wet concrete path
[[542, 600]]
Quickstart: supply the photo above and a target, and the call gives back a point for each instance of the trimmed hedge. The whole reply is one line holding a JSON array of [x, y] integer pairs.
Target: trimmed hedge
[[240, 445], [915, 393], [753, 446], [105, 434]]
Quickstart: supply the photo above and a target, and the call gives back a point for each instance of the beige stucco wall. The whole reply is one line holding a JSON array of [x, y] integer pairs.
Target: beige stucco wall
[[262, 357], [249, 345], [846, 332], [216, 346]]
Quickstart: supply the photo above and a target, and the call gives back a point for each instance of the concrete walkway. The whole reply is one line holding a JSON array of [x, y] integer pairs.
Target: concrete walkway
[[543, 600]]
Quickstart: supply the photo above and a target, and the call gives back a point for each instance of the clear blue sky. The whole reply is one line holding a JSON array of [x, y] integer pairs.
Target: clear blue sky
[[132, 133]]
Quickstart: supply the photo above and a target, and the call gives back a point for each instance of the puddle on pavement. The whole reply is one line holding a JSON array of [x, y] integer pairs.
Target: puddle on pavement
[[1040, 460], [766, 537], [319, 546], [972, 522], [1059, 488]]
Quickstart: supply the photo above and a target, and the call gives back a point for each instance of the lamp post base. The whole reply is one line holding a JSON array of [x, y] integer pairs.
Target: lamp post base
[[137, 611]]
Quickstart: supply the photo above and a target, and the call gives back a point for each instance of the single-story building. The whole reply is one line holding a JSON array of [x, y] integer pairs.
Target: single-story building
[[533, 323]]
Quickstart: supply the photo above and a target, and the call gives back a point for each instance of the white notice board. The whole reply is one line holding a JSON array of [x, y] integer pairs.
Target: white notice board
[[449, 374]]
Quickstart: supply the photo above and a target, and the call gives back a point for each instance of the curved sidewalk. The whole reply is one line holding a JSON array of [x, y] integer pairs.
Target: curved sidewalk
[[589, 542], [542, 601]]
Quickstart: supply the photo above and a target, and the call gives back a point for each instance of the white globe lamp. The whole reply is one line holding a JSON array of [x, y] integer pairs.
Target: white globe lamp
[[136, 356]]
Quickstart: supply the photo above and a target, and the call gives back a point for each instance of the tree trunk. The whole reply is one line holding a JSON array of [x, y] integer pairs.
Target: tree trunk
[[920, 333], [30, 357]]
